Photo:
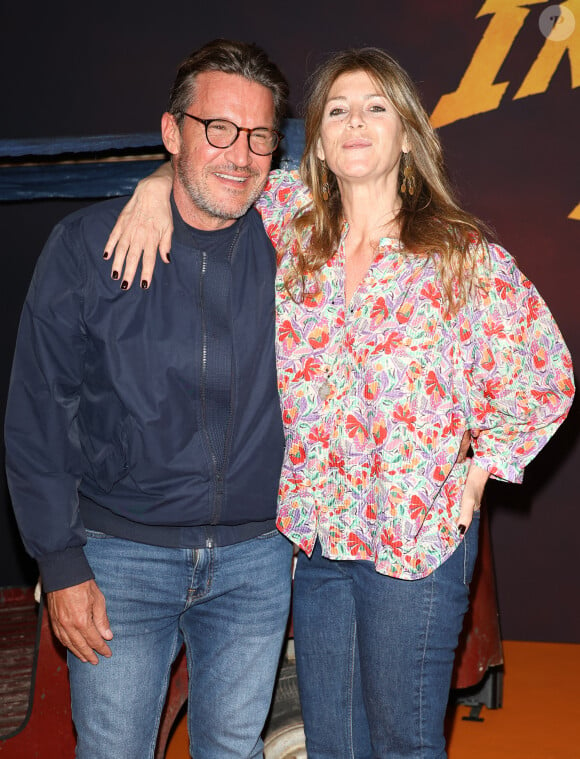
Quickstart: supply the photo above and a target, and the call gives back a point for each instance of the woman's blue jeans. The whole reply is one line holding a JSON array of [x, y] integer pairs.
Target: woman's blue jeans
[[375, 654], [228, 605]]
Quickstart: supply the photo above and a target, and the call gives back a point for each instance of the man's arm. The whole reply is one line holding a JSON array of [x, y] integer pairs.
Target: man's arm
[[43, 456]]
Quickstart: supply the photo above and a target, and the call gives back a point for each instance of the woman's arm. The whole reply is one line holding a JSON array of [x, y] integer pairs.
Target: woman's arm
[[517, 371], [144, 226]]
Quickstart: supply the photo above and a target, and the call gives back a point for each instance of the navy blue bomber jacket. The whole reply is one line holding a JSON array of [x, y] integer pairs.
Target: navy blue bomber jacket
[[149, 415]]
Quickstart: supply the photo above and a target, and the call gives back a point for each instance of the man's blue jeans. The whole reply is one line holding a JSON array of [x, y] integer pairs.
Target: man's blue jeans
[[228, 605], [375, 654]]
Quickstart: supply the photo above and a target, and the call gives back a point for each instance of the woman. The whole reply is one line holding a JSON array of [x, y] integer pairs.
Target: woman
[[398, 327]]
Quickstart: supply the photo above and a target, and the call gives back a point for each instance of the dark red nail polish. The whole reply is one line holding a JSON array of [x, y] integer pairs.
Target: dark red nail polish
[[105, 254], [124, 284], [115, 275], [144, 284], [168, 257], [462, 529]]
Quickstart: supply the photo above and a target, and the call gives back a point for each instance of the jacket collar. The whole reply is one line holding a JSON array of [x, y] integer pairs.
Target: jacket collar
[[182, 230]]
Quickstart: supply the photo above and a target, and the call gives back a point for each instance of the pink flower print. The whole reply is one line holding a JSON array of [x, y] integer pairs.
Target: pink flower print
[[313, 299], [379, 312], [492, 388], [545, 397], [540, 358], [388, 538], [309, 370], [403, 414], [371, 390], [283, 194], [440, 473], [357, 546], [487, 359], [504, 289], [297, 453], [566, 386], [418, 508], [336, 462], [432, 293], [376, 467], [319, 435], [318, 338], [356, 430], [464, 330], [392, 342], [289, 415], [371, 510], [287, 335], [533, 309], [494, 329], [405, 312], [379, 432], [434, 387]]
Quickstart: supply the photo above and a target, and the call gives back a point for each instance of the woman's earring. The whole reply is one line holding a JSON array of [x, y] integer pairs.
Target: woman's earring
[[324, 181], [408, 183]]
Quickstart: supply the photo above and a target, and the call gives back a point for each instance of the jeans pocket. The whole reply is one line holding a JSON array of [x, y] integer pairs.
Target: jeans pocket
[[470, 545]]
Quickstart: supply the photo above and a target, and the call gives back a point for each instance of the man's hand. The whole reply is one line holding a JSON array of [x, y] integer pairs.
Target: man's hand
[[79, 619]]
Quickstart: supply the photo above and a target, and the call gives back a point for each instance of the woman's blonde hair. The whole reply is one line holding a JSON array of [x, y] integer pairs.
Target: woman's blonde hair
[[431, 222]]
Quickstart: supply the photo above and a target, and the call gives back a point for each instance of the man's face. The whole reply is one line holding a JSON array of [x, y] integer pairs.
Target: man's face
[[215, 186]]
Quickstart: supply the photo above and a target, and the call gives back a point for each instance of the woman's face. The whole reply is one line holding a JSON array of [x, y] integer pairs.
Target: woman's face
[[361, 134]]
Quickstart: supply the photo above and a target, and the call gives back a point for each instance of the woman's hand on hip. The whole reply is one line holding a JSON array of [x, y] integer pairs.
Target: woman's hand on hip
[[472, 495]]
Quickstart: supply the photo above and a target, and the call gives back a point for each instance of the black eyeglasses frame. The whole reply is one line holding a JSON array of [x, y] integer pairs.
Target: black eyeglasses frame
[[249, 131]]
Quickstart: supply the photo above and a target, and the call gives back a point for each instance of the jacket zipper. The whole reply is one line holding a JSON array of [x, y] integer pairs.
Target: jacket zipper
[[219, 472]]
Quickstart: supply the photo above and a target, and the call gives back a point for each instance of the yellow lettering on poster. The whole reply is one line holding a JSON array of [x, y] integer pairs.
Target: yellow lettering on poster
[[575, 213], [477, 92], [549, 57]]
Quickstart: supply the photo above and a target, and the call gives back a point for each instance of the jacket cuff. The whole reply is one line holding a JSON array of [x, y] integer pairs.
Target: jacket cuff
[[63, 569]]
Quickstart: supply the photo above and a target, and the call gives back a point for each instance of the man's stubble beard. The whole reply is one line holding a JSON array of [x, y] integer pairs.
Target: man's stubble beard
[[200, 194]]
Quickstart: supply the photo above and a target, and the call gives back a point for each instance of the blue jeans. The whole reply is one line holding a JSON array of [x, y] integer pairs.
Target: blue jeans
[[229, 606], [375, 654]]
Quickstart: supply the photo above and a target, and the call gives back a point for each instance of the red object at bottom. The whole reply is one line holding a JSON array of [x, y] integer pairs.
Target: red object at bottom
[[46, 731], [480, 645]]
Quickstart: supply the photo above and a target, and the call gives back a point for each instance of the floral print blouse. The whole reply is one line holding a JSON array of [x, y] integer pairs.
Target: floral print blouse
[[376, 396]]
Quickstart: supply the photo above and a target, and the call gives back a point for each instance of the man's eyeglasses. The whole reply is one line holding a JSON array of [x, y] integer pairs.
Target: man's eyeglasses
[[221, 134]]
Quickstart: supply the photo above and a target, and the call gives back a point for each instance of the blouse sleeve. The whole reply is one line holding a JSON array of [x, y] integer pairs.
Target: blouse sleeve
[[283, 196], [517, 370]]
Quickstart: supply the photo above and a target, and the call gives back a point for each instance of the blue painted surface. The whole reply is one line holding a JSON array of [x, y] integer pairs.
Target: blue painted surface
[[90, 172]]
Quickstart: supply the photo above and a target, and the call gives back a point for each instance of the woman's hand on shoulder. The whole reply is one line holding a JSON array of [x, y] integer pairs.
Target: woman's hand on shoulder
[[144, 226]]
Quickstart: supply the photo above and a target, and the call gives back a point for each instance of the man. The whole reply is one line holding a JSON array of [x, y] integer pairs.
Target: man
[[144, 438]]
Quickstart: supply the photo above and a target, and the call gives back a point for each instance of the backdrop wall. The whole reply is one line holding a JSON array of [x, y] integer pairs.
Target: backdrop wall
[[505, 99]]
